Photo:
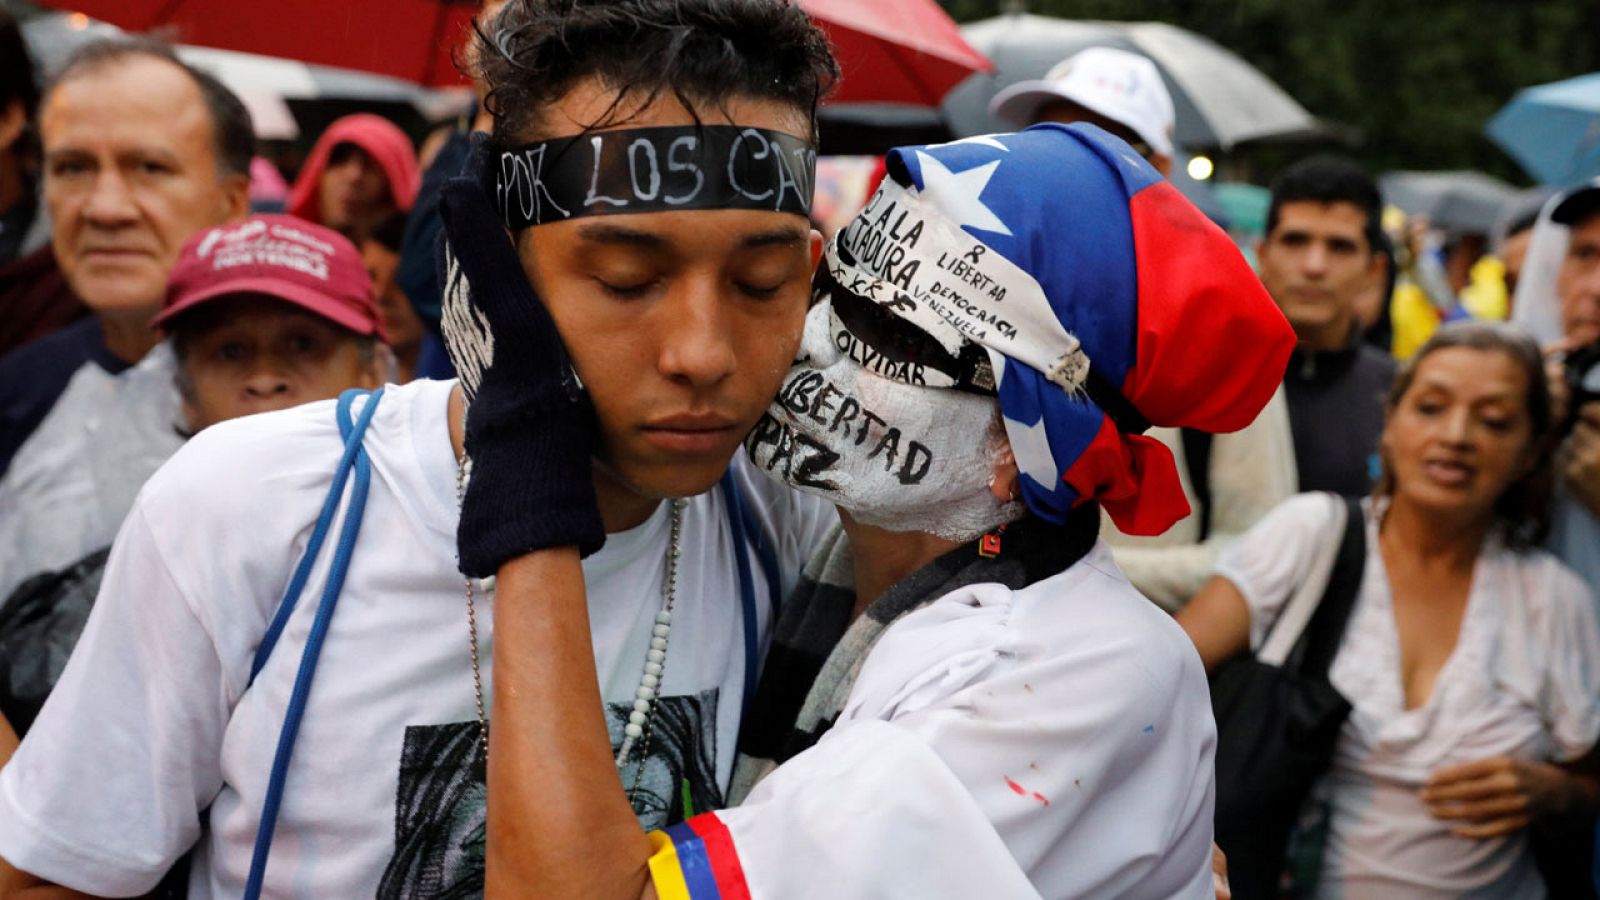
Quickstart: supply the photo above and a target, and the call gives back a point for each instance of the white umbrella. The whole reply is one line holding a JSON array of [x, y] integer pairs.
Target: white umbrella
[[1220, 99], [271, 81]]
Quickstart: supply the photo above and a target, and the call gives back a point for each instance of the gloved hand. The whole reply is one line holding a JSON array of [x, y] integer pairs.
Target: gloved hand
[[530, 426]]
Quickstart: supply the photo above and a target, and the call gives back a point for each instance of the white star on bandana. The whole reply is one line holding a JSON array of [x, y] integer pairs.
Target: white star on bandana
[[1031, 447], [987, 140], [957, 193]]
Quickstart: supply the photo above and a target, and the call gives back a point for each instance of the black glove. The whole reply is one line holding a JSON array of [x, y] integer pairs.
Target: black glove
[[530, 426]]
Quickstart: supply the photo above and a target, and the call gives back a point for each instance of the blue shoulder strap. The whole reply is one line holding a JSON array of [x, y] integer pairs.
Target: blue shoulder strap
[[747, 531], [766, 554], [351, 433], [354, 458], [743, 525]]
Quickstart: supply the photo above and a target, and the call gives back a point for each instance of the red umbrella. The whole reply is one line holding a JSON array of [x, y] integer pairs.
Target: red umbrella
[[905, 51], [895, 51], [409, 39]]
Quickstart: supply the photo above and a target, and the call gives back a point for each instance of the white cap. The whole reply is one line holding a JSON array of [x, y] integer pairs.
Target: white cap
[[1122, 86]]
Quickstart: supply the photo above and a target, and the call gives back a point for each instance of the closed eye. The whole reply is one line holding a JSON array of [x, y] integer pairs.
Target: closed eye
[[759, 292], [631, 291]]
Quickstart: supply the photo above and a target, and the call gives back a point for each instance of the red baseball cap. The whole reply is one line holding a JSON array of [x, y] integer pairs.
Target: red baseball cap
[[280, 256]]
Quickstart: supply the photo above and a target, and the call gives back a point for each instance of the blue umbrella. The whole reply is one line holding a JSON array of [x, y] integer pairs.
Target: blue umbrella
[[1553, 130]]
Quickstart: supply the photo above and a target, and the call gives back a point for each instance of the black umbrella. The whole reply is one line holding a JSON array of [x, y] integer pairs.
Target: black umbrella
[[1463, 201]]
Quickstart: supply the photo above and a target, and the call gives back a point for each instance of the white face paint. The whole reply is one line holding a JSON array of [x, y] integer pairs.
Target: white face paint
[[893, 455]]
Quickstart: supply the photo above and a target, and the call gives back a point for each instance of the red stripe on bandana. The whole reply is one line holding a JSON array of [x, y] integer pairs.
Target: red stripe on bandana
[[1212, 344], [1133, 476]]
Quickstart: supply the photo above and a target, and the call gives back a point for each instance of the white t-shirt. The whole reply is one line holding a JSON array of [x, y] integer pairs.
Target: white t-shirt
[[151, 722], [1523, 681], [74, 478], [1055, 741]]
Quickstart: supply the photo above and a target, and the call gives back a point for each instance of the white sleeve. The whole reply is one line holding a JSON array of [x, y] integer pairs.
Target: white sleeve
[[1168, 575], [982, 757], [1570, 695], [1251, 472], [106, 791], [1267, 563], [870, 811]]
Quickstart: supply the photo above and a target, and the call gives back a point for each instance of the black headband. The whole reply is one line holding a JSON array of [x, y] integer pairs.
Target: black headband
[[643, 170]]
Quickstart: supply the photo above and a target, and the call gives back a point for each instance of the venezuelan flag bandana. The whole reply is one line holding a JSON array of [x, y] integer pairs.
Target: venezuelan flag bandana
[[1102, 301]]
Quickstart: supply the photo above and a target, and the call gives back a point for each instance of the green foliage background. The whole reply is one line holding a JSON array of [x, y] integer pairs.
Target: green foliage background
[[1411, 84]]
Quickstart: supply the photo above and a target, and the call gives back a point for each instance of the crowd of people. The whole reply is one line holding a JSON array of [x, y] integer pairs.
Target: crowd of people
[[891, 562]]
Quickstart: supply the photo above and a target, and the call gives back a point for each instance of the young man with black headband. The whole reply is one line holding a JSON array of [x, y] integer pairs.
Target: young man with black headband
[[648, 185], [966, 698]]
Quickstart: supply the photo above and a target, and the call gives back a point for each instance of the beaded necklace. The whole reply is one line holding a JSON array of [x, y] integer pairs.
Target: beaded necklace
[[637, 730]]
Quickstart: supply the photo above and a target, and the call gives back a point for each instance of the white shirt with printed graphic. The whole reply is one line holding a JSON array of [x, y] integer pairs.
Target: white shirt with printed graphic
[[152, 722]]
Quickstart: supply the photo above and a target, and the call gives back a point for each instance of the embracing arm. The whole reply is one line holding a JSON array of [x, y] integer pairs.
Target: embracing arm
[[16, 884], [559, 822], [8, 740], [1218, 621]]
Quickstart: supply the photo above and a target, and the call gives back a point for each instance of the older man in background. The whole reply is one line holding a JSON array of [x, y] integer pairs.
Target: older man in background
[[140, 152], [261, 316]]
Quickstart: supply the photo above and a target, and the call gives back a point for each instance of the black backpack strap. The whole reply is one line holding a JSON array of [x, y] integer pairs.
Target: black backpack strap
[[1197, 459], [1313, 654]]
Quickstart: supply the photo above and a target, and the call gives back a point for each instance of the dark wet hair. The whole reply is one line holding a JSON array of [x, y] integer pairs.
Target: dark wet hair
[[1326, 178], [390, 233], [19, 84], [232, 136], [1523, 510], [703, 52]]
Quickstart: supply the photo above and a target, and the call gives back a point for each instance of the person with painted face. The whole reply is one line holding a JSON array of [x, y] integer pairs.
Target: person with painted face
[[620, 326], [965, 697]]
